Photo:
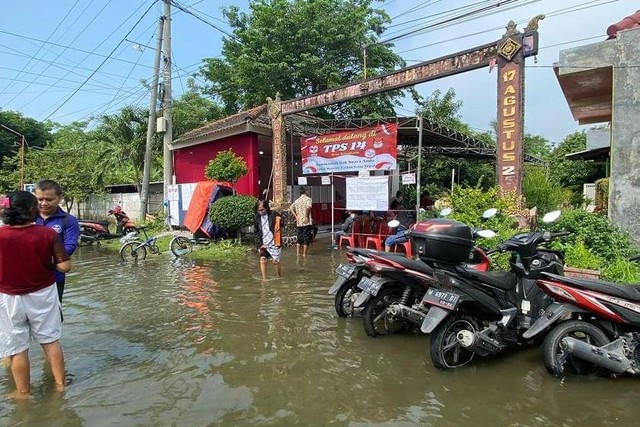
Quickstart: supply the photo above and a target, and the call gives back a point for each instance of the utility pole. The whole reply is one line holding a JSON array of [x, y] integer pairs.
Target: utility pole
[[167, 111], [151, 126]]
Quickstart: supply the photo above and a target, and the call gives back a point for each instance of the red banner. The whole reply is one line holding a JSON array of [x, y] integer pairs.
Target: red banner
[[372, 148]]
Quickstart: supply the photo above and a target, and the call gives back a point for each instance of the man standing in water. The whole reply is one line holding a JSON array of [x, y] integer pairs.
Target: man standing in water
[[49, 195], [301, 211]]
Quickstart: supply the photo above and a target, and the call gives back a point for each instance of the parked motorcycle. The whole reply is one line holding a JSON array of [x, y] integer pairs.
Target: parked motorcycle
[[594, 327], [484, 313], [345, 287], [95, 230]]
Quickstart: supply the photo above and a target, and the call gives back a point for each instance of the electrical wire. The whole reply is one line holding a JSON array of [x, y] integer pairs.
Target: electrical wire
[[101, 64]]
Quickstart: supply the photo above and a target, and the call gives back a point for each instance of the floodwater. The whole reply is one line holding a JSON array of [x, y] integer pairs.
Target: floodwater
[[178, 342]]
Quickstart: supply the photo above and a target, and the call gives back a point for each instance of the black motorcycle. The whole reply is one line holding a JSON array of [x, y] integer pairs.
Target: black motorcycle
[[484, 313]]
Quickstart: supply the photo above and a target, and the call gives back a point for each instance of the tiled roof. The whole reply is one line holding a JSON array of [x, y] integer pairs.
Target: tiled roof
[[627, 23], [256, 116]]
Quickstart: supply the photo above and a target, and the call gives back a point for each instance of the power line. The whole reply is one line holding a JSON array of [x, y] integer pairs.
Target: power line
[[50, 35], [101, 64], [200, 18]]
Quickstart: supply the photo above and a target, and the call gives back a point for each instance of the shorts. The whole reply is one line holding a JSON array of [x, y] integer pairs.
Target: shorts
[[304, 235], [35, 315], [396, 239]]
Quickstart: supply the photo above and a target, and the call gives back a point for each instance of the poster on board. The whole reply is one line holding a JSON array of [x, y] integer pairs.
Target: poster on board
[[371, 148], [368, 194]]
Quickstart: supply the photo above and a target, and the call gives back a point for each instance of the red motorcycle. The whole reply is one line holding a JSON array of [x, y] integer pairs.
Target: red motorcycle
[[95, 230], [595, 327]]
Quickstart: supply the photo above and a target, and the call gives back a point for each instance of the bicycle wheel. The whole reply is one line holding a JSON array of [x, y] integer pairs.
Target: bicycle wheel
[[132, 251], [180, 246]]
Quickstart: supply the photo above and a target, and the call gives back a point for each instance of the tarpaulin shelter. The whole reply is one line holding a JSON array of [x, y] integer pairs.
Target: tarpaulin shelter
[[204, 196]]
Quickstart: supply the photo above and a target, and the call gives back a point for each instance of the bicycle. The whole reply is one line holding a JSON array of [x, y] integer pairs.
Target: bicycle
[[134, 250], [181, 245]]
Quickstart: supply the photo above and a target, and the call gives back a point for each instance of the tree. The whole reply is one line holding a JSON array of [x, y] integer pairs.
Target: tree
[[226, 166], [123, 138], [300, 47], [36, 133], [192, 110], [573, 173]]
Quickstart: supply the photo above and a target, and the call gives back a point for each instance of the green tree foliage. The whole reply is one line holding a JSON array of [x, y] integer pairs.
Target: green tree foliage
[[233, 212], [573, 173], [193, 110], [541, 191], [123, 137], [299, 47], [226, 166], [536, 145], [36, 133]]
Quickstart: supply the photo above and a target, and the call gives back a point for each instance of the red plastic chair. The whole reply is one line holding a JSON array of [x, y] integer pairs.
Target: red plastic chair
[[407, 248], [378, 240], [352, 238]]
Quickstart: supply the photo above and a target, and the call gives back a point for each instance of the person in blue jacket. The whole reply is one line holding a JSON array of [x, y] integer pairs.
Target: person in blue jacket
[[49, 195]]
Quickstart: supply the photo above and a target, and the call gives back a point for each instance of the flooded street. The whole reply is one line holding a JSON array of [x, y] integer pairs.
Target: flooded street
[[180, 342]]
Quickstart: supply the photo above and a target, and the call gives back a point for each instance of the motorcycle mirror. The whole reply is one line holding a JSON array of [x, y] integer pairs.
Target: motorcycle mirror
[[487, 234], [551, 216], [393, 223], [489, 213], [446, 212]]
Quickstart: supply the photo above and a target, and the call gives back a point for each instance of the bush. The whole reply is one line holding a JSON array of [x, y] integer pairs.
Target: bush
[[621, 271], [542, 192], [226, 166], [578, 256], [233, 212], [602, 195], [597, 233]]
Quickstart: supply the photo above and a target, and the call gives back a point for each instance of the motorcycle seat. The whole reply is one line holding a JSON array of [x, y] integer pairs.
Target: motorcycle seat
[[369, 252], [414, 265], [505, 280], [630, 292]]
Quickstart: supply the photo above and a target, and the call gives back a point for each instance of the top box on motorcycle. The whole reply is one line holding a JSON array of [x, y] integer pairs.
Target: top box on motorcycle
[[442, 240]]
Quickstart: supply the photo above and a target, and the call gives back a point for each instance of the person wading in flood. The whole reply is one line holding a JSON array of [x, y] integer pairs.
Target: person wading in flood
[[301, 211], [268, 236]]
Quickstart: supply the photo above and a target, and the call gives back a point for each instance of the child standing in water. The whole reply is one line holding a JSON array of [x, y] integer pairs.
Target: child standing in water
[[29, 305]]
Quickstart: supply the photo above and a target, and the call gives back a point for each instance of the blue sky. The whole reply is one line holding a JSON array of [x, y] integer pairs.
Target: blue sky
[[39, 79]]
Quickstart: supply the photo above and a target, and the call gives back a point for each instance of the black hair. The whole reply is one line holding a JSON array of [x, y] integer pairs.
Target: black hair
[[22, 209], [303, 190], [265, 204], [47, 184]]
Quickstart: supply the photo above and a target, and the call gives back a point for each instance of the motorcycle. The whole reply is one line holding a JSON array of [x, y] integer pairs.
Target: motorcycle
[[349, 275], [594, 327], [484, 313], [95, 230]]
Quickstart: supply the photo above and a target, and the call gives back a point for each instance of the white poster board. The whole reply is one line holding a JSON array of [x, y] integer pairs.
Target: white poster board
[[302, 180], [368, 194], [408, 178], [326, 180], [186, 190]]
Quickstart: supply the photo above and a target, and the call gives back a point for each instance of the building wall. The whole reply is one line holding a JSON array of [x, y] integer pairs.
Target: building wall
[[190, 162], [624, 184]]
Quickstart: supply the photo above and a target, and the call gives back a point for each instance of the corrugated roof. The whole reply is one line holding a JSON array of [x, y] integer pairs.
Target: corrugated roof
[[632, 21], [256, 116]]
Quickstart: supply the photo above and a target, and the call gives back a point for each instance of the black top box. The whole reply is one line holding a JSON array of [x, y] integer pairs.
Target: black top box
[[442, 240]]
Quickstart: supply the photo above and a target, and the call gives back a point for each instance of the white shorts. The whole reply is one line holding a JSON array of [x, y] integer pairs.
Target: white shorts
[[35, 315]]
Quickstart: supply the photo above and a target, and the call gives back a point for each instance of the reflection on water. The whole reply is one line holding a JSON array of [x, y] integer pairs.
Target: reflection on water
[[179, 342]]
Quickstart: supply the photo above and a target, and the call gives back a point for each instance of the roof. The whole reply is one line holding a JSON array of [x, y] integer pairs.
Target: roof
[[631, 21], [600, 153]]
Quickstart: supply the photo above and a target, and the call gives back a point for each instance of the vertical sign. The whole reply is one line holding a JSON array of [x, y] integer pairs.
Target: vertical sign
[[279, 151], [510, 112]]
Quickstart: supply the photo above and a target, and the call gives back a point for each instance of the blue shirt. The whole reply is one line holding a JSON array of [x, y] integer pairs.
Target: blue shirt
[[68, 230]]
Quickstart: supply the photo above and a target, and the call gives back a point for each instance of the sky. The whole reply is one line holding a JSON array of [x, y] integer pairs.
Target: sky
[[68, 60]]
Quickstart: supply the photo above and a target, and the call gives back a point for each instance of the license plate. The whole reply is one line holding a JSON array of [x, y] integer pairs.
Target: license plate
[[370, 285], [345, 270], [441, 298]]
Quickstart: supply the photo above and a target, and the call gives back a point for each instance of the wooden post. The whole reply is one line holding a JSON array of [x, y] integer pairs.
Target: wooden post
[[279, 152]]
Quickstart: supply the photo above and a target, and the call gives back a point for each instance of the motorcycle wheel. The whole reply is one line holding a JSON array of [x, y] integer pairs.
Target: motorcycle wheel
[[344, 302], [128, 251], [559, 363], [180, 246], [376, 320], [445, 349]]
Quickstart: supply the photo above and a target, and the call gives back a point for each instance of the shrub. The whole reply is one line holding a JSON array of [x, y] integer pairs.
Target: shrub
[[226, 166], [621, 271], [602, 195], [578, 256], [233, 212], [542, 192]]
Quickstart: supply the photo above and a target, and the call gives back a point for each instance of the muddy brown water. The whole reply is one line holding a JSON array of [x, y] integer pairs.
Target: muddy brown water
[[180, 342]]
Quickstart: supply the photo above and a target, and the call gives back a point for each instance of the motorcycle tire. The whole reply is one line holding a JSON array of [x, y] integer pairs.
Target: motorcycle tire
[[128, 251], [445, 350], [343, 302], [180, 246], [560, 364], [376, 320]]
